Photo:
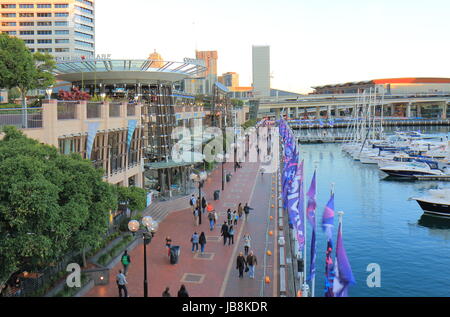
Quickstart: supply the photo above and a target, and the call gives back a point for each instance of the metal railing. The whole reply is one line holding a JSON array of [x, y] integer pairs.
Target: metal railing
[[67, 110], [16, 117], [114, 109], [94, 110]]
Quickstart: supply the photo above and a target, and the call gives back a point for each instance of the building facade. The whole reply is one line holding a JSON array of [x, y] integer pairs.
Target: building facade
[[63, 28], [230, 79], [210, 75], [261, 70]]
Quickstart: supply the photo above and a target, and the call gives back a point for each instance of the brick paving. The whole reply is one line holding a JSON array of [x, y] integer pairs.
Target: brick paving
[[213, 274]]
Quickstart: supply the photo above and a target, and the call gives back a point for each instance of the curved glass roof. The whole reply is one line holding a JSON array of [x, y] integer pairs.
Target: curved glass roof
[[127, 65]]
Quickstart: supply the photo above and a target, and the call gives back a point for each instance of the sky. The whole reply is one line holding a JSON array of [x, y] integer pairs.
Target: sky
[[312, 43]]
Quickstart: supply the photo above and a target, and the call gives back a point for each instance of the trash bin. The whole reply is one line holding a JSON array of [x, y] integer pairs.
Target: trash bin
[[216, 194], [228, 177], [174, 254]]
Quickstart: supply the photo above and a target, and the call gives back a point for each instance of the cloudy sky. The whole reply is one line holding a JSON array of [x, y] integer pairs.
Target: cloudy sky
[[312, 42]]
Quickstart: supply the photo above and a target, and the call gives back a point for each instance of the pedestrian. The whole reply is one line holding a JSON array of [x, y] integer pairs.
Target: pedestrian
[[229, 217], [231, 235], [240, 210], [204, 204], [194, 240], [202, 242], [241, 264], [199, 208], [211, 221], [183, 292], [192, 201], [251, 262], [216, 217], [168, 244], [235, 217], [247, 209], [121, 281], [166, 292], [126, 260], [247, 243], [224, 232], [196, 215]]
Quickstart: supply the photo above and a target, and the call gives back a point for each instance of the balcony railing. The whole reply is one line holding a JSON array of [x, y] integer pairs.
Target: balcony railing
[[16, 117], [67, 110], [94, 110], [114, 109]]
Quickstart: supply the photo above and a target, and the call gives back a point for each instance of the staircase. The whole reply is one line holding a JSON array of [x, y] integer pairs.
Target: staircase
[[159, 211]]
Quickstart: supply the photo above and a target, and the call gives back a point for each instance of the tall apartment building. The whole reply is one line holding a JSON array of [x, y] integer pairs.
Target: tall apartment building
[[261, 70], [210, 75], [230, 79], [63, 28]]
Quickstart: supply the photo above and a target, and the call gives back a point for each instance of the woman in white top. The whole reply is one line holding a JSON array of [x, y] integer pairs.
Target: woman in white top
[[247, 240]]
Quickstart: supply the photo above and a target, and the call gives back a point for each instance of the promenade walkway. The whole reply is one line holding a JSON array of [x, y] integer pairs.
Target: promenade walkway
[[214, 274]]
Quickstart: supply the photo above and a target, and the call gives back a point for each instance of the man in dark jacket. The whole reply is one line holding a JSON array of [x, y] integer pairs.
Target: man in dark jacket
[[251, 262], [241, 264], [247, 209], [224, 232]]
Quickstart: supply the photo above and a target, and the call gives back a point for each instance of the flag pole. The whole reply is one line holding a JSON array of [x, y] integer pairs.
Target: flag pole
[[341, 215], [313, 282], [304, 235]]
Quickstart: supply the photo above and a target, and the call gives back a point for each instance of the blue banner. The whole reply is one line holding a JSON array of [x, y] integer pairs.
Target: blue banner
[[131, 127]]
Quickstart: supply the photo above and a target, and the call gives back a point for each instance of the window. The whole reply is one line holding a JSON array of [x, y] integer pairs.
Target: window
[[8, 6], [62, 50], [59, 32], [8, 23], [26, 15], [84, 43], [61, 14], [84, 35], [46, 41], [44, 6], [10, 32], [44, 15], [60, 41], [88, 11], [8, 15], [26, 6], [44, 23], [61, 23], [83, 18], [32, 50], [29, 41], [61, 5], [84, 52], [26, 23], [26, 32], [84, 27], [46, 32], [89, 3], [45, 50]]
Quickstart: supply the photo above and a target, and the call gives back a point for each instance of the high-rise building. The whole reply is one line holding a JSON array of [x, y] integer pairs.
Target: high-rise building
[[210, 75], [63, 28], [230, 79], [261, 70]]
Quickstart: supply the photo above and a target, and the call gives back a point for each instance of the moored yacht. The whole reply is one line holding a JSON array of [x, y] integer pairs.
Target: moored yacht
[[436, 202]]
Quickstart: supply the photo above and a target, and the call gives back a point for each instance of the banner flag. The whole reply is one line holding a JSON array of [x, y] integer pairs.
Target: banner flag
[[92, 132]]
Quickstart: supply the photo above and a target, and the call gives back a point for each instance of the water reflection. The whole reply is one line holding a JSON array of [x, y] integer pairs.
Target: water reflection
[[438, 226]]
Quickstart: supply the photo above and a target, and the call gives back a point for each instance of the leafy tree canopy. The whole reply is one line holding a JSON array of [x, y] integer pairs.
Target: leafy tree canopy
[[50, 204], [135, 197]]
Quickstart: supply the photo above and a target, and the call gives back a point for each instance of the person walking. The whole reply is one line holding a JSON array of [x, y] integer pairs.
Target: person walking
[[240, 210], [202, 242], [231, 235], [216, 217], [126, 260], [212, 221], [121, 281], [168, 244], [204, 204], [166, 292], [194, 240], [224, 232], [241, 264], [247, 209], [251, 262], [183, 292], [196, 215], [229, 217], [235, 217], [193, 202], [247, 243]]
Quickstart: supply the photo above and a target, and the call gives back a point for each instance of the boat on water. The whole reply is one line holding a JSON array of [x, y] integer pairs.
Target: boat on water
[[412, 169], [436, 202]]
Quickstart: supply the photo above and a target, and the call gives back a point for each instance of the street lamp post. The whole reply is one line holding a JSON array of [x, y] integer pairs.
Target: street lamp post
[[200, 178], [147, 235]]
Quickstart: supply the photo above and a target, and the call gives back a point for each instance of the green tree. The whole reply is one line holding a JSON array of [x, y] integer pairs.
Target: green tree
[[50, 204], [22, 69], [237, 103], [134, 197]]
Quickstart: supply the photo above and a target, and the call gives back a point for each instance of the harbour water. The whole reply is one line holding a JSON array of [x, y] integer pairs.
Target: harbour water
[[381, 225]]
